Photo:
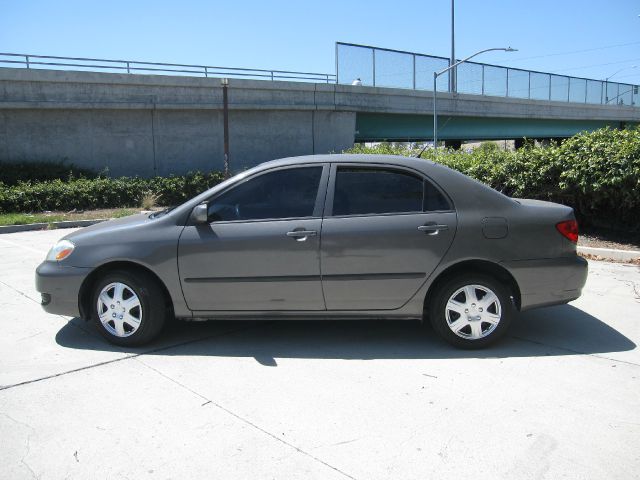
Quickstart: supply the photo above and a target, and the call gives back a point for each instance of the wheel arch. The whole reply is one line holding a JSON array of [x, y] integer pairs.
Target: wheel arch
[[84, 294], [474, 266]]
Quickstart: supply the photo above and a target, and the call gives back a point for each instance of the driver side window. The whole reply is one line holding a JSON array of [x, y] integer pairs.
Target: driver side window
[[287, 193]]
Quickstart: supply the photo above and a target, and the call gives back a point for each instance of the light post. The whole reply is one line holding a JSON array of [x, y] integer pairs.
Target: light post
[[435, 88], [452, 77], [606, 82]]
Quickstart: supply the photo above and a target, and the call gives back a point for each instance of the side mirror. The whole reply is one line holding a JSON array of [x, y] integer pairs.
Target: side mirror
[[200, 214]]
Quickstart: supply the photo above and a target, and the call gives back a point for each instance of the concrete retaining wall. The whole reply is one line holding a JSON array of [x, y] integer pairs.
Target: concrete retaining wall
[[154, 125]]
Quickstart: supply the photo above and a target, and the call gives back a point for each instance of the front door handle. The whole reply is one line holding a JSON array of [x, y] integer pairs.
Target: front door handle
[[301, 235], [432, 228]]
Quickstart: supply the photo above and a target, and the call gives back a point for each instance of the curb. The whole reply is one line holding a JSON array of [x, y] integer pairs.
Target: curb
[[44, 226], [610, 253]]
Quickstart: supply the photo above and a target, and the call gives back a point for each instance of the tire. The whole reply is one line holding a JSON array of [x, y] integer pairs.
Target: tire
[[128, 307], [469, 322]]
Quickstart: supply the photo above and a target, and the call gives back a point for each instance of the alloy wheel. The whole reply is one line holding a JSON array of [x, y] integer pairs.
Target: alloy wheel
[[473, 312], [119, 309]]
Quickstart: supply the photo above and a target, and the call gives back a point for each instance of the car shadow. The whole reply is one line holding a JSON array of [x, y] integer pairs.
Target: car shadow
[[553, 331]]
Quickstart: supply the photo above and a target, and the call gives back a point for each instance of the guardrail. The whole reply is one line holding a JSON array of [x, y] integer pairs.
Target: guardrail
[[383, 67], [133, 66]]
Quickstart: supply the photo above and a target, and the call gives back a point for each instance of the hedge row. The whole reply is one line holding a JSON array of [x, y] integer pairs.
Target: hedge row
[[597, 173], [85, 194]]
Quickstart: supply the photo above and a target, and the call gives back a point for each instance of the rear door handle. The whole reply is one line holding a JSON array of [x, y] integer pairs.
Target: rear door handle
[[301, 235], [432, 228]]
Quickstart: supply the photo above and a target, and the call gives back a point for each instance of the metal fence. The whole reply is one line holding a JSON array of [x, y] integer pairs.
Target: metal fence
[[382, 67], [22, 60]]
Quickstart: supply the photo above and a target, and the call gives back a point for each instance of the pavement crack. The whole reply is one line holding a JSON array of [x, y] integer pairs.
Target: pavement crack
[[22, 460], [36, 301], [126, 357], [19, 292], [247, 421], [344, 442], [566, 349], [634, 287], [27, 443]]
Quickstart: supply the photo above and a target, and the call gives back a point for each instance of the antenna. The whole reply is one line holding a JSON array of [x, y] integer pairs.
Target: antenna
[[422, 151]]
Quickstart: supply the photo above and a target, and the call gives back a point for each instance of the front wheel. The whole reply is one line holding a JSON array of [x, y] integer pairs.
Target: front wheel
[[128, 308], [471, 310]]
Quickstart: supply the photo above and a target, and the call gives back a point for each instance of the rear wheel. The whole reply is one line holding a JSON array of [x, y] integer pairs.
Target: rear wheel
[[128, 308], [471, 310]]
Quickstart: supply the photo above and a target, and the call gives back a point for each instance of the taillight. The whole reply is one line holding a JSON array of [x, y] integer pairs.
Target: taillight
[[569, 230]]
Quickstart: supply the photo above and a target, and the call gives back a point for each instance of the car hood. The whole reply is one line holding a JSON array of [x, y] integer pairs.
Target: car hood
[[114, 226]]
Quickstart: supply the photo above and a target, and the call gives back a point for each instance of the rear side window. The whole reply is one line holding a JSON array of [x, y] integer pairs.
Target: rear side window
[[289, 193], [362, 191], [434, 200]]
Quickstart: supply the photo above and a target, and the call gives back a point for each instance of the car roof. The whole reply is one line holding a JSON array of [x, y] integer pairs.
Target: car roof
[[460, 187], [351, 158]]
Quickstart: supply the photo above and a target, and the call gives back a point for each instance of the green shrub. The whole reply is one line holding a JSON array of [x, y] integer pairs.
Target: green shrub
[[12, 173], [85, 194], [601, 175], [597, 173]]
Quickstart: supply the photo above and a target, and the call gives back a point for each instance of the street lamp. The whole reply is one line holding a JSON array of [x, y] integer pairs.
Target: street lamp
[[435, 88], [606, 81]]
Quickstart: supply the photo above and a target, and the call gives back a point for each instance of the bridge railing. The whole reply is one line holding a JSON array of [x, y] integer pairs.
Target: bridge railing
[[382, 67], [22, 60]]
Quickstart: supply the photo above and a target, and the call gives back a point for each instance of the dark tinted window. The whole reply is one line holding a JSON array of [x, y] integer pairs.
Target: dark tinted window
[[280, 194], [367, 190], [434, 199], [360, 191]]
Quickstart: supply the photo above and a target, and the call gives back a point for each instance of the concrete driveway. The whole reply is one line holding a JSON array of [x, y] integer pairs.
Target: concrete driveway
[[559, 398]]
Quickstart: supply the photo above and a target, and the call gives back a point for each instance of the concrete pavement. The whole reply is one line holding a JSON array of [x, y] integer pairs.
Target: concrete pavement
[[559, 398]]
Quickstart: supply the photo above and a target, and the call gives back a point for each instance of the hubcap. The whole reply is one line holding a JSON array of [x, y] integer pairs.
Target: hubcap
[[119, 309], [473, 312]]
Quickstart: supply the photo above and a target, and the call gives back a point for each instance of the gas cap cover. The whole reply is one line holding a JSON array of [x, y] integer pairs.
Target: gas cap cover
[[495, 227]]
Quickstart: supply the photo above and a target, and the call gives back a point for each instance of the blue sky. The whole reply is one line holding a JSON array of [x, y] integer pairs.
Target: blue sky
[[300, 35]]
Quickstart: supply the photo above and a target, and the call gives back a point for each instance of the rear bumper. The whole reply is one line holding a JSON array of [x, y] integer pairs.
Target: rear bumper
[[59, 287], [549, 281]]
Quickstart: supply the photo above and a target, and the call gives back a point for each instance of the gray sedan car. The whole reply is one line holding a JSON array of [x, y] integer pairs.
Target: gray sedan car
[[323, 237]]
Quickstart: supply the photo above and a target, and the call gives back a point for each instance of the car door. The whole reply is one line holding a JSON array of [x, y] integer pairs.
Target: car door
[[385, 230], [259, 250]]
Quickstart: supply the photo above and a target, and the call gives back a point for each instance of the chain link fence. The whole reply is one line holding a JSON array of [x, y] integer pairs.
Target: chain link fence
[[382, 67]]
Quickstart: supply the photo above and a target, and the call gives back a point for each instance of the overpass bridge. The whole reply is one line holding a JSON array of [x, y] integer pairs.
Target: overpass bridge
[[151, 123]]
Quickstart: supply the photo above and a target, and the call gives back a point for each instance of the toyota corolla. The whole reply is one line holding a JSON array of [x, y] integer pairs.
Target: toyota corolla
[[323, 237]]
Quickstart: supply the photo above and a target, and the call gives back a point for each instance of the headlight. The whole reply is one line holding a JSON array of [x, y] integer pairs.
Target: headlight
[[60, 251]]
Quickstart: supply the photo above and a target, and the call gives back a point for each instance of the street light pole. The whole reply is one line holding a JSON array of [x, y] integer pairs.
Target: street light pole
[[435, 88], [452, 60], [606, 81]]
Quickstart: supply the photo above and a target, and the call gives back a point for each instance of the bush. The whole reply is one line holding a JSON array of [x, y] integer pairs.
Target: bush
[[600, 174], [13, 173], [85, 193], [597, 173]]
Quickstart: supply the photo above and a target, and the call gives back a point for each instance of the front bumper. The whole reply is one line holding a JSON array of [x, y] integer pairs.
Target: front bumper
[[60, 286], [549, 281]]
